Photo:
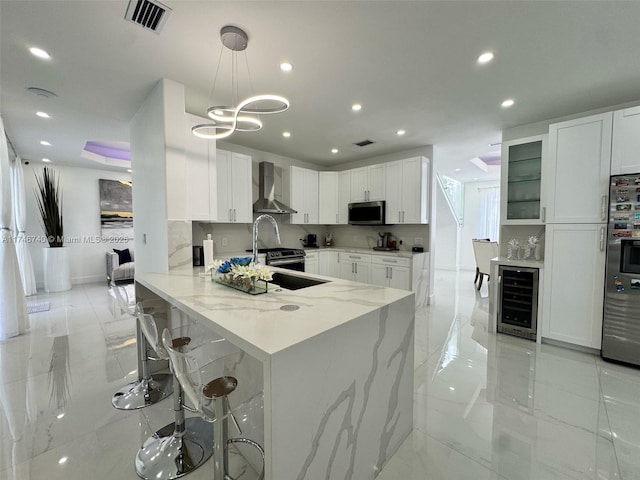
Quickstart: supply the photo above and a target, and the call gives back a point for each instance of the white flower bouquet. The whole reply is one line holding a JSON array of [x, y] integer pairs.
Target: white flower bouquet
[[241, 273]]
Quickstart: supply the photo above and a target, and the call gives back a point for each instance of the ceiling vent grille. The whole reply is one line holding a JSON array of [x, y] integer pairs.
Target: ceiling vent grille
[[364, 143], [149, 14]]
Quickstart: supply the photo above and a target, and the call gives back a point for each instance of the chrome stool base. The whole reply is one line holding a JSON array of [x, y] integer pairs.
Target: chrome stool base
[[164, 456], [141, 394]]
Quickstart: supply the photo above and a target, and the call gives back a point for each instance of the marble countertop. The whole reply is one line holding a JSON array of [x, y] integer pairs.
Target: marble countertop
[[256, 323], [393, 253], [518, 263]]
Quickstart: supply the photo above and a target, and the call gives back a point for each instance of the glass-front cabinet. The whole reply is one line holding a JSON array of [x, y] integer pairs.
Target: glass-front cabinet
[[522, 186]]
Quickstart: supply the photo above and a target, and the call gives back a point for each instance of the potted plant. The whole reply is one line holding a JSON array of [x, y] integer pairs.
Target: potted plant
[[57, 277]]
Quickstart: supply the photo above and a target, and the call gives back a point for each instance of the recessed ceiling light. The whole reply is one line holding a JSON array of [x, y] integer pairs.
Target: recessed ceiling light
[[45, 143], [286, 134], [129, 170], [63, 460], [60, 416], [458, 169], [508, 102], [334, 150], [286, 67], [40, 53], [452, 389], [400, 132], [486, 57], [43, 115], [46, 160], [356, 107]]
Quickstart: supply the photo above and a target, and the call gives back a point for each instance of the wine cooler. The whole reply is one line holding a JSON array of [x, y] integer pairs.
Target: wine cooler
[[518, 301]]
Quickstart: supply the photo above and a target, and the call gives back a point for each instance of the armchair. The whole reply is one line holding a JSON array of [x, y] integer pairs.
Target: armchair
[[117, 272]]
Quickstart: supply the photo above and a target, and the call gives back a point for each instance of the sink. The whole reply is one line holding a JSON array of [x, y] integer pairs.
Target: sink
[[293, 282]]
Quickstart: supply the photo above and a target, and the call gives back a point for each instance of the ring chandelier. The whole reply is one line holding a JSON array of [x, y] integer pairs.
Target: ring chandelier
[[227, 120]]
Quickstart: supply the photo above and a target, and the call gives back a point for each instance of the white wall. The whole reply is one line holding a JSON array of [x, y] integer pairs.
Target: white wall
[[81, 217], [446, 228], [471, 225]]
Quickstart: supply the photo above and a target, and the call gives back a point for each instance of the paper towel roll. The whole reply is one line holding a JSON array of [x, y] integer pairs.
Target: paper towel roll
[[207, 247]]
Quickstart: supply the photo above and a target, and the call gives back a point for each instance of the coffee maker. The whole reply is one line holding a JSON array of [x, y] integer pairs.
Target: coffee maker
[[385, 242], [311, 241]]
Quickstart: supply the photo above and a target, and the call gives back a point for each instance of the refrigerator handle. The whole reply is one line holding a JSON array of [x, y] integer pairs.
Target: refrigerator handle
[[604, 207], [543, 217], [602, 239]]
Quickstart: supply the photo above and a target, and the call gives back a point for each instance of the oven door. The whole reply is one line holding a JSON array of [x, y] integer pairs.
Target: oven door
[[296, 263]]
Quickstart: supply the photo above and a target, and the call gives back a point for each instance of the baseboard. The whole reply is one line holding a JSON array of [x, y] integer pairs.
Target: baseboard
[[571, 346], [80, 280]]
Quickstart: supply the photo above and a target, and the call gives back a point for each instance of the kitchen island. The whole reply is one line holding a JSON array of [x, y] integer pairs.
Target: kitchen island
[[334, 361]]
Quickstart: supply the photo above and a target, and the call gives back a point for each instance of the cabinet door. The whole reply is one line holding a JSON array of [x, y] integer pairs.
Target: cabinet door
[[328, 198], [311, 264], [297, 195], [328, 264], [414, 190], [344, 196], [363, 272], [359, 184], [311, 196], [578, 173], [222, 180], [241, 191], [522, 200], [347, 270], [380, 275], [574, 283], [394, 188], [399, 277], [197, 160], [375, 182], [625, 153]]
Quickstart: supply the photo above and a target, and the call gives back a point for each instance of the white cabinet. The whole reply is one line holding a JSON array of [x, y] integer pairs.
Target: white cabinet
[[625, 152], [344, 196], [328, 198], [574, 283], [521, 173], [390, 271], [233, 187], [355, 266], [328, 263], [311, 262], [577, 177], [407, 189], [199, 155], [301, 186], [367, 183]]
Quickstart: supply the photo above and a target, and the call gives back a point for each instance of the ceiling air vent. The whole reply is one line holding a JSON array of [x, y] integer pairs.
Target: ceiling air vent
[[364, 143], [149, 14]]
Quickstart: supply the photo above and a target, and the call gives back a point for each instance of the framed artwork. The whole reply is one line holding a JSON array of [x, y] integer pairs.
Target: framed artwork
[[116, 209]]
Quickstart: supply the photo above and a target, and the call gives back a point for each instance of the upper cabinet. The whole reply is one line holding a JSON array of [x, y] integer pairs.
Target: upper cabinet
[[576, 172], [334, 194], [301, 186], [367, 183], [407, 191], [625, 153], [219, 181], [521, 178], [233, 192]]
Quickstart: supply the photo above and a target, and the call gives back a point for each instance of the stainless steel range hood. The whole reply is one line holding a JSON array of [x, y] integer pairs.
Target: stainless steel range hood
[[266, 202]]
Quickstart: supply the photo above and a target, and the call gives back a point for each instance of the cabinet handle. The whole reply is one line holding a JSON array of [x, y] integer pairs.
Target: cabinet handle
[[356, 265], [604, 207], [543, 217], [353, 268], [391, 273], [389, 260], [402, 216], [602, 239], [234, 215]]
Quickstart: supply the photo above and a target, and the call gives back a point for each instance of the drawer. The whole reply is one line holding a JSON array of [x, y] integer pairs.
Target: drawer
[[392, 261], [354, 257], [311, 256]]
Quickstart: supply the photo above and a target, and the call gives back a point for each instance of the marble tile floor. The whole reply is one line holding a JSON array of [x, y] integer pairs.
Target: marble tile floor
[[486, 406]]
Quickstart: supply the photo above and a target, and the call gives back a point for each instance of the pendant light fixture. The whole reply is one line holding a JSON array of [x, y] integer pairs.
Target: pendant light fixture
[[244, 117]]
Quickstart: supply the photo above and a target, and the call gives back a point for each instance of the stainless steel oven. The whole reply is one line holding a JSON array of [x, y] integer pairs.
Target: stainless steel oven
[[289, 258]]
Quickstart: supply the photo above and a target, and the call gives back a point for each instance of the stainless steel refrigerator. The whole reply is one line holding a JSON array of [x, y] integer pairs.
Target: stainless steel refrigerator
[[621, 322]]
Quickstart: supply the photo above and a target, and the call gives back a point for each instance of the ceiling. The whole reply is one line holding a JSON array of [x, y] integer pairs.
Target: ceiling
[[412, 65]]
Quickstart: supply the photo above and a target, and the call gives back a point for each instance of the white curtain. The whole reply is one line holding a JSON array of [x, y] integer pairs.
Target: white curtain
[[14, 318], [19, 218], [489, 213]]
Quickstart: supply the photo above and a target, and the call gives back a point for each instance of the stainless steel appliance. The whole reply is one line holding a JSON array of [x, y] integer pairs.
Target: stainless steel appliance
[[311, 240], [621, 321], [266, 202], [518, 301], [289, 258], [367, 213], [384, 242]]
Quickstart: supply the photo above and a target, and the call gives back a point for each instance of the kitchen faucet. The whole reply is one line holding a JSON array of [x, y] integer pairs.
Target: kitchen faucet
[[255, 233]]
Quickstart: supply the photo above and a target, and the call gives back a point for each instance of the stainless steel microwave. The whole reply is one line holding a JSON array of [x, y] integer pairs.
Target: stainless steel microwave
[[367, 213]]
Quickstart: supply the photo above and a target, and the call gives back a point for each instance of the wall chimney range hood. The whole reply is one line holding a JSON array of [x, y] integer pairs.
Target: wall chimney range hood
[[266, 202]]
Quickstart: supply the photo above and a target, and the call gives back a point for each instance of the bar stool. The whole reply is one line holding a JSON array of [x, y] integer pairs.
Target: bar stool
[[148, 389], [182, 446], [211, 400]]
